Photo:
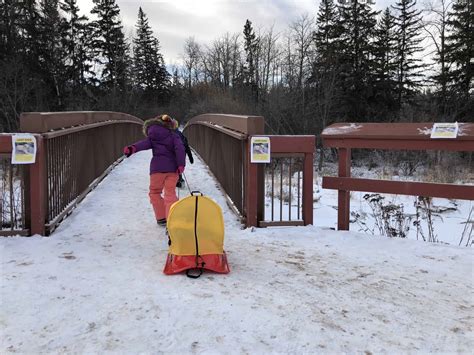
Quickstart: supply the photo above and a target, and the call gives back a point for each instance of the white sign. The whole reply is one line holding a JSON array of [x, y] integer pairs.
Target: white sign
[[260, 150], [24, 149], [444, 130]]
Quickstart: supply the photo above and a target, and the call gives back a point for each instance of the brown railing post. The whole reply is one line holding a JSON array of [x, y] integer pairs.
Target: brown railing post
[[344, 196], [308, 189], [37, 192]]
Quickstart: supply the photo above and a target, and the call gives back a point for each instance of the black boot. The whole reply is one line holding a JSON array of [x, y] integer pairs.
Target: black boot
[[161, 222], [180, 182]]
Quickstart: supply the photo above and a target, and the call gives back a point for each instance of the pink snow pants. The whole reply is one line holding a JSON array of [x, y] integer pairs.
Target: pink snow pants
[[158, 183]]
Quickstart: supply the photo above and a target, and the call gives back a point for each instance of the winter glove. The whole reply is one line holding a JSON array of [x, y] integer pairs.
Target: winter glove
[[180, 169], [129, 150]]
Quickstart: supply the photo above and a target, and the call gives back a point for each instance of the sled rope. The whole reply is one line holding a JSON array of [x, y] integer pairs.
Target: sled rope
[[186, 180], [199, 266]]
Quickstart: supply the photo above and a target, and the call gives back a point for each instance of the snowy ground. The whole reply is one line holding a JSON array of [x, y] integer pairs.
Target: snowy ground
[[448, 217], [96, 286]]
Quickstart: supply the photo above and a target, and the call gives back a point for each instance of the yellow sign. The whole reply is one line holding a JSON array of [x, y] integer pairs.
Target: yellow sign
[[24, 149], [260, 150]]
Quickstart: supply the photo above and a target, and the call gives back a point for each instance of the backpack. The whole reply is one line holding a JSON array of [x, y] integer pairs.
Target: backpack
[[196, 237]]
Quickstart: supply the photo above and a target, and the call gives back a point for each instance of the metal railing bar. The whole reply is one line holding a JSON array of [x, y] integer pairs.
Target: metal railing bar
[[298, 203], [273, 190], [10, 183], [281, 190], [70, 130], [289, 193]]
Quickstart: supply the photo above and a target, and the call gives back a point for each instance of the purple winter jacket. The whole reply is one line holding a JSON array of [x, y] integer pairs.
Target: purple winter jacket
[[168, 149]]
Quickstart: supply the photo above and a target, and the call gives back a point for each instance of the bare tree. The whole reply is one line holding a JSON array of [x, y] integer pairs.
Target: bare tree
[[270, 52], [435, 24], [191, 56], [301, 32]]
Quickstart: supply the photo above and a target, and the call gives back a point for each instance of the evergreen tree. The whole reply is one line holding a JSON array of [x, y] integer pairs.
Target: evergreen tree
[[13, 71], [359, 28], [461, 51], [30, 32], [385, 66], [76, 39], [251, 44], [327, 37], [10, 13], [408, 27], [110, 47], [325, 77], [150, 74], [52, 53]]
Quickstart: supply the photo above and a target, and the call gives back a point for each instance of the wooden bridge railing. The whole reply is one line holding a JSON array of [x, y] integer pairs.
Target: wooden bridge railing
[[75, 151], [390, 136], [223, 142], [293, 154]]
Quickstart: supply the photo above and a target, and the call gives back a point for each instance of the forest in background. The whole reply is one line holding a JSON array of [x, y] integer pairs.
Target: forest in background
[[344, 63]]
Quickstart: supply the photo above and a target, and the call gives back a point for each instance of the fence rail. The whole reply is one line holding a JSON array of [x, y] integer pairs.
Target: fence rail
[[395, 136]]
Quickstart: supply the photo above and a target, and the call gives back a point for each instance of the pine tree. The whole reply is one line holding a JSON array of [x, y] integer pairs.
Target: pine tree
[[359, 28], [52, 53], [251, 44], [327, 37], [461, 50], [14, 73], [10, 13], [384, 64], [30, 32], [40, 54], [150, 75], [76, 32], [408, 28], [111, 49], [325, 77]]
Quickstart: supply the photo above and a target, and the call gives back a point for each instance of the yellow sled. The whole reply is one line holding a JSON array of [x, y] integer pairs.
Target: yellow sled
[[196, 232]]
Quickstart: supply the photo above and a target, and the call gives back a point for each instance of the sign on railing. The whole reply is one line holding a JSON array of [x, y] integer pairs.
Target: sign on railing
[[260, 150], [23, 149]]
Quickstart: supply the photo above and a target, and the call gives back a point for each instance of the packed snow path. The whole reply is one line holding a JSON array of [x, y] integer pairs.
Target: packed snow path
[[96, 286]]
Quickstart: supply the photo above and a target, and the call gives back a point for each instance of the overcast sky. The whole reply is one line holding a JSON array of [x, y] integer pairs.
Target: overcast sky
[[173, 21]]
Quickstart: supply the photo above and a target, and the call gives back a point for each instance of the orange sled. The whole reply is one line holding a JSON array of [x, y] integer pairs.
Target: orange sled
[[196, 232]]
